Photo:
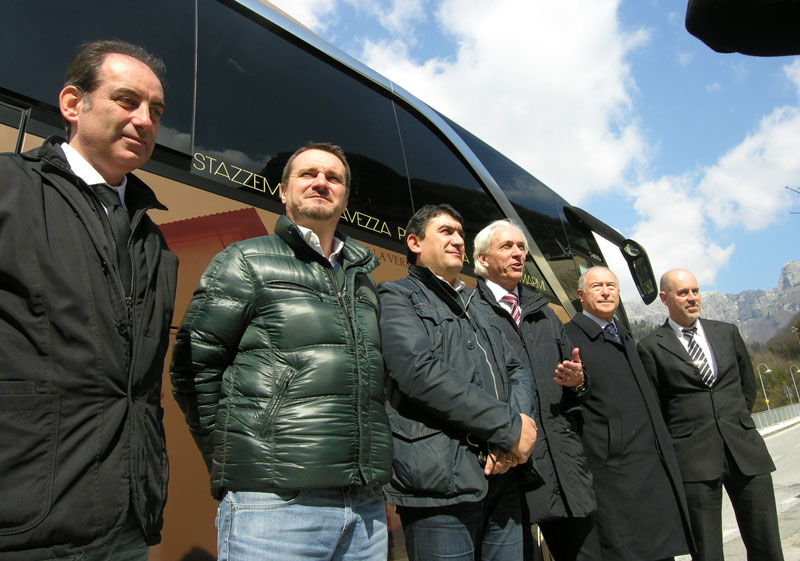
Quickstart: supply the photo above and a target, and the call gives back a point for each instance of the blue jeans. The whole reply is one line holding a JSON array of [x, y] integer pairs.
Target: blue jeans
[[342, 524], [490, 529]]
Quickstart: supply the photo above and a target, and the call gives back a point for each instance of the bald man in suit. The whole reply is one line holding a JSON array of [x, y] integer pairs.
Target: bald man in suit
[[705, 383]]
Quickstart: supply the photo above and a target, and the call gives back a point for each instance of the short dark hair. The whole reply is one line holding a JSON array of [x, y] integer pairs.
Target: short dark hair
[[84, 70], [325, 147], [418, 223]]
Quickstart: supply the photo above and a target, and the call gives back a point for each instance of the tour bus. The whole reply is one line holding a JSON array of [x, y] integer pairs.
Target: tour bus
[[246, 86]]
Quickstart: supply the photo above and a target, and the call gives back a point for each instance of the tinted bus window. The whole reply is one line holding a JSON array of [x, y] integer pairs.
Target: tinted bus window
[[260, 98], [165, 28], [439, 176]]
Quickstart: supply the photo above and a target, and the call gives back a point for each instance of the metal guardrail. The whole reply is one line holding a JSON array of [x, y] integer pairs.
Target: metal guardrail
[[776, 415]]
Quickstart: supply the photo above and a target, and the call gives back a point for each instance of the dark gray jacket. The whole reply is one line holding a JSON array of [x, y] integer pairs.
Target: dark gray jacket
[[81, 435], [457, 388], [542, 343]]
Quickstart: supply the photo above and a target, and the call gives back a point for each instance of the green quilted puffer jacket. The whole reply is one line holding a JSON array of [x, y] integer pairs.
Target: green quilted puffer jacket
[[278, 368]]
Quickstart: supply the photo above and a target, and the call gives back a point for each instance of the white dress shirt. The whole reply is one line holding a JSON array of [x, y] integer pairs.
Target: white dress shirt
[[498, 292], [312, 239], [700, 339], [91, 176]]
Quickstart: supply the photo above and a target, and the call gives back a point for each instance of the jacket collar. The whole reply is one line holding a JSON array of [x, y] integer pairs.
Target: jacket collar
[[456, 301], [138, 195], [593, 330], [529, 300], [353, 253]]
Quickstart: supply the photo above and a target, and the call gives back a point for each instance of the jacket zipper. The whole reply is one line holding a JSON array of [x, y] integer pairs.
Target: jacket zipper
[[332, 276], [483, 350], [277, 400]]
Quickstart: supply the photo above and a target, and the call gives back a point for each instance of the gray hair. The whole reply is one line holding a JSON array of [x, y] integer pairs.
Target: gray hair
[[582, 278], [484, 239]]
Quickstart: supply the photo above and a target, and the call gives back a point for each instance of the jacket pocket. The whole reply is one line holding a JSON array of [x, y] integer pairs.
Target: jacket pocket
[[424, 458], [28, 441], [616, 442], [281, 389], [747, 421], [681, 430]]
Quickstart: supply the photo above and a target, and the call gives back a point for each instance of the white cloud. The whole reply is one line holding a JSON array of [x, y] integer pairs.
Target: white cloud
[[398, 17], [792, 72], [745, 188], [684, 58], [682, 217], [317, 15], [675, 230], [713, 87], [546, 83]]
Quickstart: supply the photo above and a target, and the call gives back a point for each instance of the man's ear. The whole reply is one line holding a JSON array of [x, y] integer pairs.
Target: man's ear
[[481, 258], [412, 240], [280, 190], [70, 101], [663, 297]]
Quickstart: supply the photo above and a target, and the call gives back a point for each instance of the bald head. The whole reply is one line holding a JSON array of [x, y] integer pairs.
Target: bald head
[[681, 294]]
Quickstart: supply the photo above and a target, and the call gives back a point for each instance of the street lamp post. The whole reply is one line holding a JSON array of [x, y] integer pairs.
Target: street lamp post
[[763, 389], [793, 380]]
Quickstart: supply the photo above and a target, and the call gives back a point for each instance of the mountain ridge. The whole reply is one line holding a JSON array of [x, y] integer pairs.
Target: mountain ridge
[[758, 313]]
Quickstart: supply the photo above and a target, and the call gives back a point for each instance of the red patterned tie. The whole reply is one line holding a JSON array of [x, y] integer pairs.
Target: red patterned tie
[[512, 302]]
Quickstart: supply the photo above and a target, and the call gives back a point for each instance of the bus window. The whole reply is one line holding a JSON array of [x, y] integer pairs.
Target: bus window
[[260, 96], [33, 69], [439, 176]]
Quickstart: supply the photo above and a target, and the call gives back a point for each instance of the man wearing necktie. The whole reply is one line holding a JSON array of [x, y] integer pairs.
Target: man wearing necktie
[[641, 509], [460, 404], [563, 506], [705, 383], [86, 301]]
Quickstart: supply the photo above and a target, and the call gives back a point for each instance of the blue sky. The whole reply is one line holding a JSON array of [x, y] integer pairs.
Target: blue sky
[[614, 105]]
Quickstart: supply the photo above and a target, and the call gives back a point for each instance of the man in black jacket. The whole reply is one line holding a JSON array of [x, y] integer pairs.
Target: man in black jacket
[[641, 509], [459, 404], [87, 287], [564, 505], [706, 385]]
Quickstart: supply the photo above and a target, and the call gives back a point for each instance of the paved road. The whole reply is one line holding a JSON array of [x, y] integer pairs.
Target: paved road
[[784, 446]]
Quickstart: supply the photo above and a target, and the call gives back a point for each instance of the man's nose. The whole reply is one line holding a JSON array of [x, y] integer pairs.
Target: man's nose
[[141, 116], [320, 181]]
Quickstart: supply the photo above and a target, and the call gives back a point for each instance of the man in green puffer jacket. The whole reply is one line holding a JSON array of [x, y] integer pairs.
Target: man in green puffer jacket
[[278, 369]]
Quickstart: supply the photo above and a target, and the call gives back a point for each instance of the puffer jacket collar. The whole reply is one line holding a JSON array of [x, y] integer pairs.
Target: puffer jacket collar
[[353, 255]]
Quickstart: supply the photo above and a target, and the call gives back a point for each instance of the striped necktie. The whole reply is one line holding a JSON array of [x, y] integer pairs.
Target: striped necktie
[[512, 302], [699, 357]]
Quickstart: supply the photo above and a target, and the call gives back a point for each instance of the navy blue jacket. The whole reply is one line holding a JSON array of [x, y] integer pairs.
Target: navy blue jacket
[[457, 388]]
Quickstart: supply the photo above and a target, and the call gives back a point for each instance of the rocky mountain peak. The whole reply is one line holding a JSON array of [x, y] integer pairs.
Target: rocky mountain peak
[[758, 313]]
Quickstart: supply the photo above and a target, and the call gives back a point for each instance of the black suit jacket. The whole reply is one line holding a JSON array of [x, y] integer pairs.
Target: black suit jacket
[[704, 421], [629, 451]]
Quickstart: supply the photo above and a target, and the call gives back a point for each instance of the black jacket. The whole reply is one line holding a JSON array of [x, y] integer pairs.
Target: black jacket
[[703, 421], [81, 435], [641, 507], [542, 344], [456, 388], [278, 367]]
